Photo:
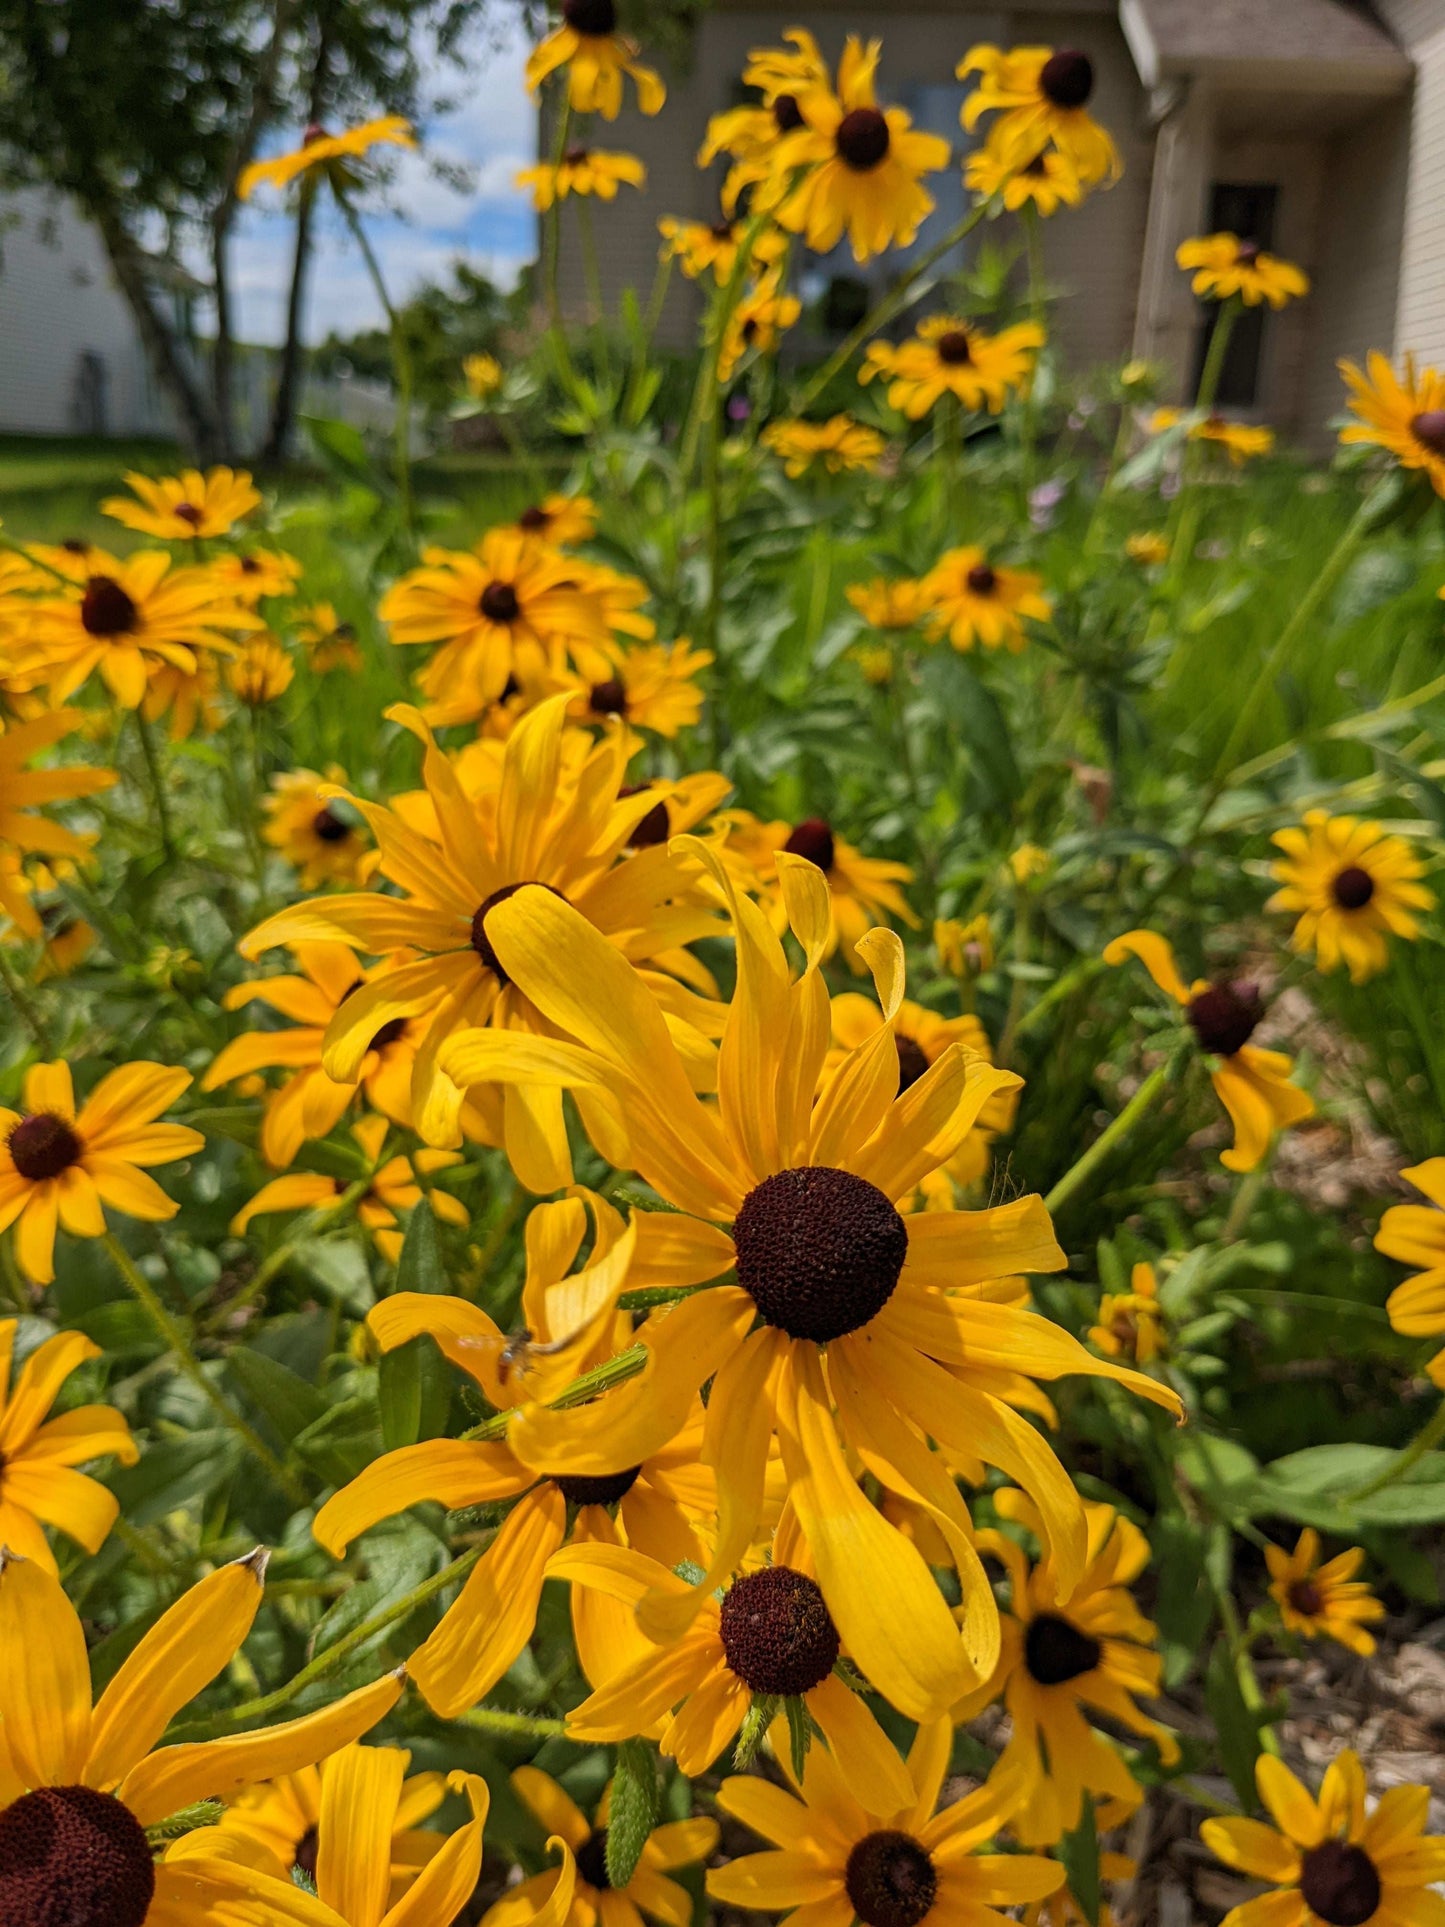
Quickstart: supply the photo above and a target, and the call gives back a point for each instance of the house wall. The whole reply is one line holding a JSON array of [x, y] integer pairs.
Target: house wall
[[1091, 257], [1420, 323], [58, 305]]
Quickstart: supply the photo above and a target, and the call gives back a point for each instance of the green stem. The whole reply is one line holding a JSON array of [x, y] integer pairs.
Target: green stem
[[333, 1657], [1082, 973], [704, 394], [1213, 368], [401, 363], [712, 609], [902, 296], [1429, 1436], [592, 271], [1140, 1104], [157, 783], [23, 1002], [1184, 522], [552, 250], [177, 1342], [492, 1719], [614, 1371], [1249, 1687], [282, 1255], [1033, 244]]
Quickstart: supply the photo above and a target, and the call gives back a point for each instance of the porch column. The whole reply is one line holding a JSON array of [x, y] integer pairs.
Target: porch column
[[1166, 319]]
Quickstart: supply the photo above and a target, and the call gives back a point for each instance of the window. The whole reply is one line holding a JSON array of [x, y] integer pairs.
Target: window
[[1248, 209]]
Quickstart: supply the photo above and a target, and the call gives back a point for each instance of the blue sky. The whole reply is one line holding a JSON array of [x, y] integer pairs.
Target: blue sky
[[491, 131]]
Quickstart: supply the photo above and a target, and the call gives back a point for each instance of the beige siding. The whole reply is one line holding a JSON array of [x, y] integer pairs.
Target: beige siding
[[1092, 256], [1421, 321]]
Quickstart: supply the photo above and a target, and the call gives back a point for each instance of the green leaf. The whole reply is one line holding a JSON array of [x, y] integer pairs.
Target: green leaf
[[1184, 1603], [285, 1398], [800, 1732], [420, 1267], [1235, 1725], [175, 1476], [415, 1390], [1079, 1852], [634, 1811], [1315, 1486], [342, 1442], [341, 446]]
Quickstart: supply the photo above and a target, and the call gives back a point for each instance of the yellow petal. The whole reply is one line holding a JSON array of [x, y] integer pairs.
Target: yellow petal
[[360, 1789], [867, 1758], [448, 1881], [1157, 957], [44, 1677], [551, 1807], [40, 1378], [449, 1472]]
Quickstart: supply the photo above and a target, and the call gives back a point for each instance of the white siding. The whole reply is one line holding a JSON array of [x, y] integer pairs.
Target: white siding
[[58, 306], [1421, 319]]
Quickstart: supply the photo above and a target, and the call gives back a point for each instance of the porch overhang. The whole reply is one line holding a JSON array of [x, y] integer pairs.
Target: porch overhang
[[1320, 50]]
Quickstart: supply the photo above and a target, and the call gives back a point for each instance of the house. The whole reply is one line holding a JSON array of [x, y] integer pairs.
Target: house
[[1315, 127], [71, 361]]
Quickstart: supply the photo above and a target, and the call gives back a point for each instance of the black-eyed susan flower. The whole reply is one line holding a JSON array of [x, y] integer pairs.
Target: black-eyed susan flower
[[188, 698], [757, 323], [674, 1844], [1322, 1599], [483, 375], [254, 575], [324, 841], [394, 1187], [838, 1857], [329, 642], [552, 817], [331, 154], [1415, 1235], [864, 164], [188, 506], [1352, 886], [1403, 414], [874, 661], [655, 1504], [922, 1036], [701, 248], [952, 357], [83, 1781], [129, 618], [1148, 548], [503, 610], [362, 1792], [840, 444], [972, 600], [589, 172], [1240, 441], [1131, 1323], [23, 792], [965, 950], [260, 672], [596, 57], [768, 1638], [61, 1165], [39, 1485], [654, 687], [1040, 95], [282, 1819], [751, 135], [1046, 182], [1071, 1647], [1329, 1863], [862, 890], [1252, 1084], [559, 520], [791, 1184], [1224, 266], [888, 602], [309, 1104]]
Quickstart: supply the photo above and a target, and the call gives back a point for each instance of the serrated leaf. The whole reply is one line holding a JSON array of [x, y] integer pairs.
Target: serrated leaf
[[800, 1733], [634, 1810]]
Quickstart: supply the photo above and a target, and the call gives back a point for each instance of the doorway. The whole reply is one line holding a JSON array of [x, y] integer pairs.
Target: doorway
[[1248, 209]]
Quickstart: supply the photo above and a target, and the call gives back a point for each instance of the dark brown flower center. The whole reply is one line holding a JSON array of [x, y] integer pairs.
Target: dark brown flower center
[[912, 1062], [787, 114], [1067, 78], [862, 139], [188, 512], [1038, 167], [1055, 1650], [499, 602], [1306, 1597], [953, 348], [388, 1034], [1428, 428], [105, 608], [608, 698], [481, 942], [592, 1860], [249, 565], [315, 131], [1247, 253], [603, 1488], [575, 156], [1353, 888], [306, 1848], [330, 827], [777, 1633], [71, 1857], [43, 1146], [534, 519], [813, 839], [1224, 1017], [655, 827], [890, 1879], [721, 230], [590, 16], [749, 330], [819, 1251], [1339, 1882], [981, 579]]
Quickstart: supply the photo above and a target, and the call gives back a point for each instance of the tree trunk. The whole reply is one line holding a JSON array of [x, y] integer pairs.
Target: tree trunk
[[283, 406], [159, 339]]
